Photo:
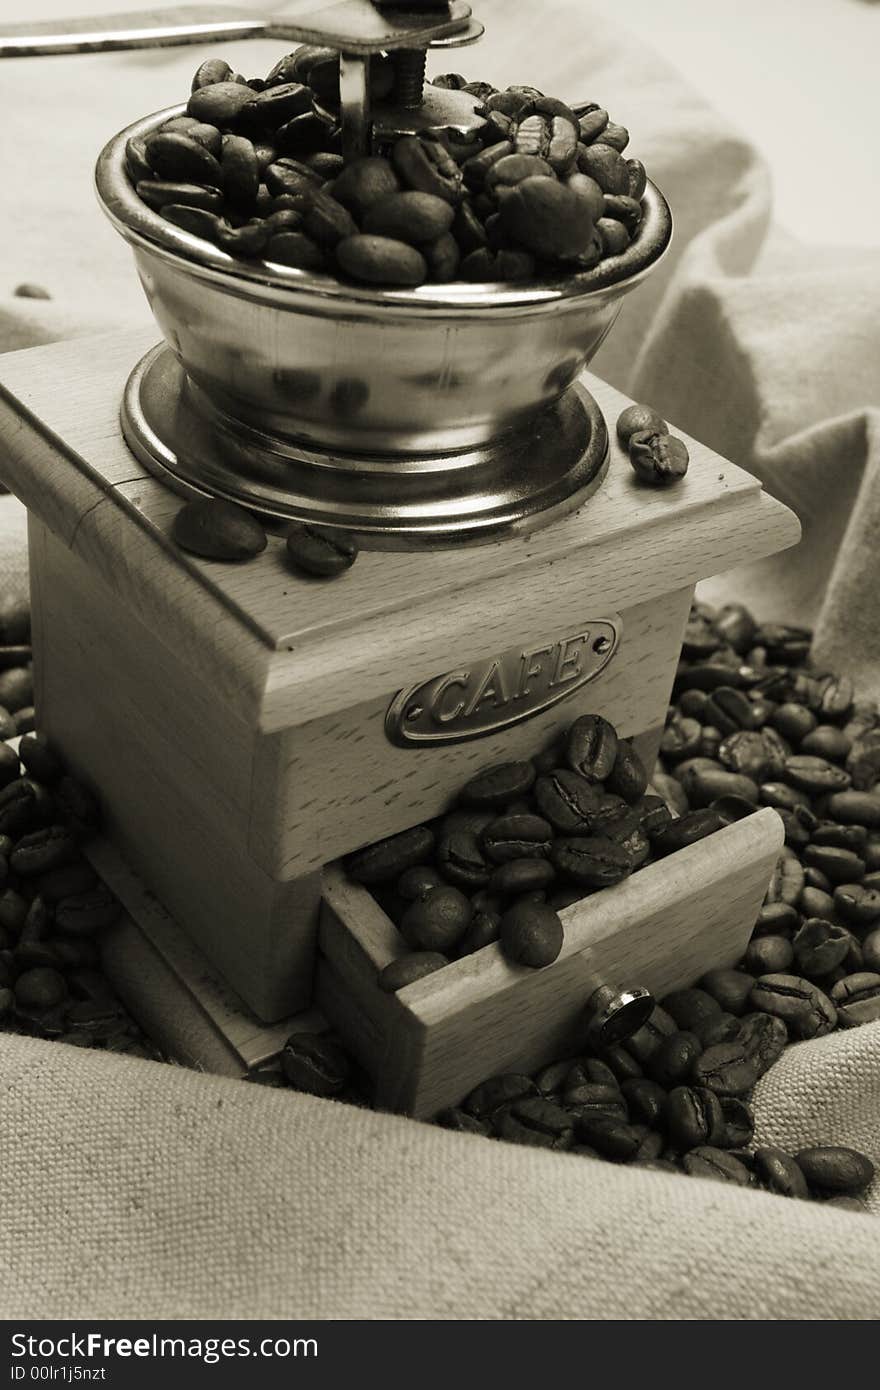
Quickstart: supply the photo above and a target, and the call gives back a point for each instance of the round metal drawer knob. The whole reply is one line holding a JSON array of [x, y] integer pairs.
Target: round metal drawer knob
[[615, 1014]]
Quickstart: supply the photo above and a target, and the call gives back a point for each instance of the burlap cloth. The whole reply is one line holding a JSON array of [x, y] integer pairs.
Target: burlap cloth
[[132, 1189]]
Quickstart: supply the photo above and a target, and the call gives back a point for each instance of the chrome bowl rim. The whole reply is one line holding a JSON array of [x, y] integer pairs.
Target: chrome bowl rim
[[145, 229]]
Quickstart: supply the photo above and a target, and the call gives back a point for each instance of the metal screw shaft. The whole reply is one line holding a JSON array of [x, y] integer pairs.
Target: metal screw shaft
[[409, 76]]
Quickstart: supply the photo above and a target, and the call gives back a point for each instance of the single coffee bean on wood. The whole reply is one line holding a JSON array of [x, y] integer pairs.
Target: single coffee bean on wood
[[321, 551], [659, 459], [217, 530]]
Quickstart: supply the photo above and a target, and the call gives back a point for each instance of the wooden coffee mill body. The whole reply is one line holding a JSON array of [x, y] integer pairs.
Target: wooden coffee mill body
[[247, 727], [234, 720]]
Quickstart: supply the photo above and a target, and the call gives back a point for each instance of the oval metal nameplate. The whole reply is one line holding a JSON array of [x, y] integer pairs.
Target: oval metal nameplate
[[491, 694]]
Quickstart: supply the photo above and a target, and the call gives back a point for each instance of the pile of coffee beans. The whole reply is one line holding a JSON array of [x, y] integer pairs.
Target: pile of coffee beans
[[521, 841], [16, 670], [657, 457], [53, 908], [215, 529], [755, 724], [255, 167], [673, 1097]]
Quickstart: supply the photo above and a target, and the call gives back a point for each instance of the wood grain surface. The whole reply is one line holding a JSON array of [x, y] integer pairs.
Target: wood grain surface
[[429, 1044]]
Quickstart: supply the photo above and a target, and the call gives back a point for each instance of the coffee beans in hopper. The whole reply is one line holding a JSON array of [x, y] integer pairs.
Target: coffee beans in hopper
[[254, 166]]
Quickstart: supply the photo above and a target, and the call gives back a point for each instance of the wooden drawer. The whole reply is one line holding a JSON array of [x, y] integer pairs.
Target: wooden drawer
[[430, 1043]]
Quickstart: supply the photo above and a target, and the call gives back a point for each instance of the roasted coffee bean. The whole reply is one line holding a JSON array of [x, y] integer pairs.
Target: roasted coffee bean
[[768, 954], [41, 988], [814, 775], [426, 166], [314, 1063], [521, 836], [726, 1068], [815, 902], [550, 1080], [705, 781], [779, 1173], [159, 194], [853, 837], [645, 1100], [628, 777], [653, 813], [177, 158], [638, 419], [520, 876], [826, 741], [321, 551], [857, 998], [584, 1095], [364, 182], [406, 969], [681, 739], [459, 1120], [10, 767], [739, 1123], [721, 1028], [484, 929], [531, 934], [729, 988], [671, 1063], [802, 1005], [870, 947], [818, 948], [496, 786], [42, 850], [793, 721], [686, 830], [410, 216], [710, 1162], [659, 459], [839, 865], [567, 800], [295, 249], [787, 880], [776, 919], [610, 1135], [535, 1121], [592, 746], [782, 797], [436, 921], [387, 859], [415, 882], [591, 861], [39, 759], [834, 1168], [67, 881], [487, 1098], [218, 530], [17, 695], [381, 260], [855, 808], [461, 860], [763, 1038], [693, 1116], [84, 913], [689, 1007]]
